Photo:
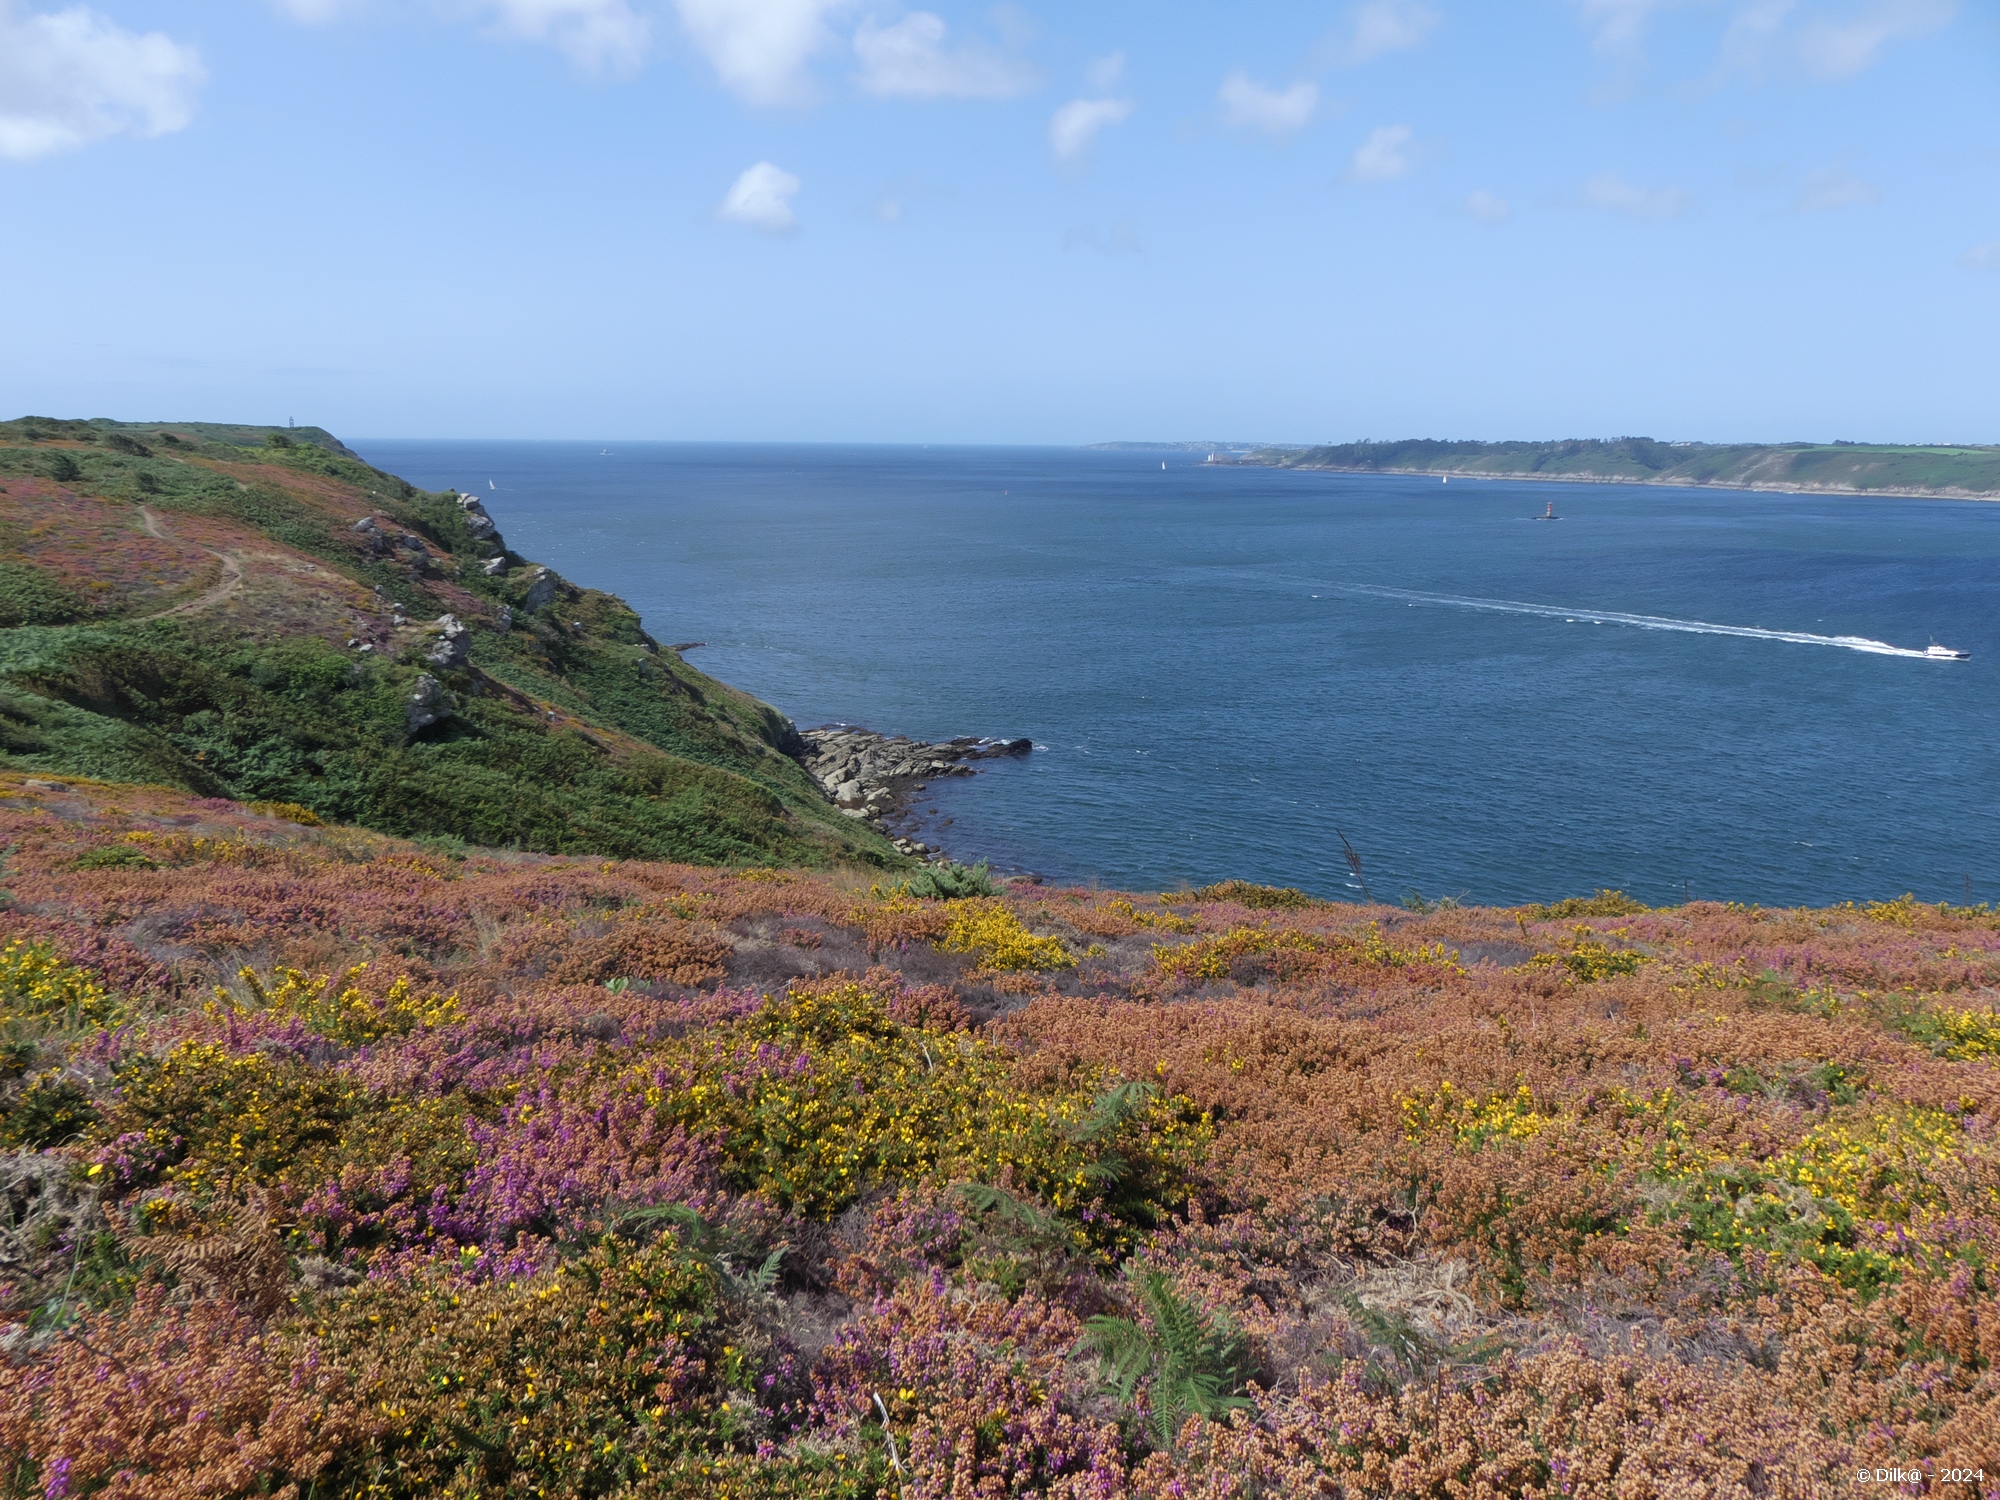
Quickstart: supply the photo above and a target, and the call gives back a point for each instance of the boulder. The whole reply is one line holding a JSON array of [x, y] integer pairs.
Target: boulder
[[448, 651], [504, 621], [428, 702], [476, 520], [540, 591], [494, 567]]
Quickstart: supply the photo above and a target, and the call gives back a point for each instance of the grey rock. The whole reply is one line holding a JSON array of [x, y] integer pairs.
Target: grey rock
[[504, 621], [449, 650], [428, 703], [540, 591], [494, 567], [476, 520], [366, 523]]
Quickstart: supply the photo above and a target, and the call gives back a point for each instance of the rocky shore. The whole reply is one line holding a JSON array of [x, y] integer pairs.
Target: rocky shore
[[877, 776]]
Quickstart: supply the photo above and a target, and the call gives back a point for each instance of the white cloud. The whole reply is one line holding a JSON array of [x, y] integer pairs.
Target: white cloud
[[596, 34], [1835, 187], [71, 77], [1620, 24], [1380, 26], [1075, 125], [1751, 33], [1104, 73], [599, 35], [1984, 257], [762, 199], [318, 12], [1488, 208], [1384, 156], [1610, 192], [1246, 102], [759, 48], [1841, 48], [909, 60]]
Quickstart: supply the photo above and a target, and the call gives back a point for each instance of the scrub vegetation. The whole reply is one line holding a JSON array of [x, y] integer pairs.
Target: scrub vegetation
[[253, 614], [341, 1165]]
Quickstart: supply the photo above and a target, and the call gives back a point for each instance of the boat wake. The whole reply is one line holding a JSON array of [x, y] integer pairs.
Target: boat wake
[[1643, 622]]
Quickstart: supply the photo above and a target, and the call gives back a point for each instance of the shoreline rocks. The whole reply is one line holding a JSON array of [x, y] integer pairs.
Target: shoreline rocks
[[874, 777]]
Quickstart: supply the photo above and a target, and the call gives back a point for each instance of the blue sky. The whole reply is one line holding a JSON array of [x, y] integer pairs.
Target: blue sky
[[850, 221]]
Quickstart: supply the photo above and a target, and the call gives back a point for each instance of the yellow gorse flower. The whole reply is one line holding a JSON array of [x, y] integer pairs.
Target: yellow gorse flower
[[37, 984], [345, 1014], [988, 930]]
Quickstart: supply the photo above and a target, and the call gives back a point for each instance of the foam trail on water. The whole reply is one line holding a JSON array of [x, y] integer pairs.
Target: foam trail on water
[[1643, 622]]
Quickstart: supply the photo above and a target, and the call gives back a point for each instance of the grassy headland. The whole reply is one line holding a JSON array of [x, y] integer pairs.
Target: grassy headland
[[251, 613], [1857, 468]]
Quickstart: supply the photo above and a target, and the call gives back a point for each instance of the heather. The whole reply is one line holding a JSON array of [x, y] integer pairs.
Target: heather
[[338, 1165]]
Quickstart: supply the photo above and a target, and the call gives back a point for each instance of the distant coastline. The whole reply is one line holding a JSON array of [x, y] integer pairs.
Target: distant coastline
[[1965, 472]]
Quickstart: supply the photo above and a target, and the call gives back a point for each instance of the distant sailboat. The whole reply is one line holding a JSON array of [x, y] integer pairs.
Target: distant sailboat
[[1163, 463], [491, 485]]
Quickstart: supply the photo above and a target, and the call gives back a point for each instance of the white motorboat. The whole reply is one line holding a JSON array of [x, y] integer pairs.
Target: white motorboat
[[1945, 653]]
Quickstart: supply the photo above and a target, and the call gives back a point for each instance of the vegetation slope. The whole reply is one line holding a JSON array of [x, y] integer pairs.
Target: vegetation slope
[[341, 1167], [254, 613], [1845, 467]]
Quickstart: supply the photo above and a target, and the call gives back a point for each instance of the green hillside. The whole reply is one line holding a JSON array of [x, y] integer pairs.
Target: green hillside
[[255, 614], [1860, 468]]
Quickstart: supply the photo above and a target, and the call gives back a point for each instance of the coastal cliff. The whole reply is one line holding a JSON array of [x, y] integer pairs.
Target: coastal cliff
[[1961, 473], [257, 615]]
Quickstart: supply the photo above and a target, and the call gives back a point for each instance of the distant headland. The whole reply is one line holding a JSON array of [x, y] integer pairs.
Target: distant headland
[[1963, 472]]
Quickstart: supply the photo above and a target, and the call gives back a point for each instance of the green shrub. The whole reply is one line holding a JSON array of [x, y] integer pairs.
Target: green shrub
[[1257, 897], [63, 468], [50, 1111], [1603, 904], [950, 882]]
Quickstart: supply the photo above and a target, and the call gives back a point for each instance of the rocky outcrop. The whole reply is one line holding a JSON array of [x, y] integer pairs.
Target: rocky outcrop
[[541, 590], [428, 702], [874, 776], [477, 521], [448, 650]]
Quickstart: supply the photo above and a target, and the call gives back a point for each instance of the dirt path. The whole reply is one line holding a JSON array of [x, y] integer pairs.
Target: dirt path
[[232, 572]]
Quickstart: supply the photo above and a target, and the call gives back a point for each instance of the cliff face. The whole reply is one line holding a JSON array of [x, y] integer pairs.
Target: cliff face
[[254, 613], [1855, 468]]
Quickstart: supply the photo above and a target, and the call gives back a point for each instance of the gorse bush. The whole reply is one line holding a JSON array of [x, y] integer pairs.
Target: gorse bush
[[992, 934], [344, 1014], [1603, 904], [37, 985], [822, 1097], [506, 1174], [1257, 897]]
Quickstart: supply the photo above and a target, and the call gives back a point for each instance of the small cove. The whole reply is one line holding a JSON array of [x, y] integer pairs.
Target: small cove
[[1227, 668]]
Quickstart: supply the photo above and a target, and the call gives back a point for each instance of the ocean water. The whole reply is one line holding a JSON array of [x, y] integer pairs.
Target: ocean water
[[1228, 669]]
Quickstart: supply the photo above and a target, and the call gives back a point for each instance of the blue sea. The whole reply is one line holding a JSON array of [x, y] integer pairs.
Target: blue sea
[[1227, 670]]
